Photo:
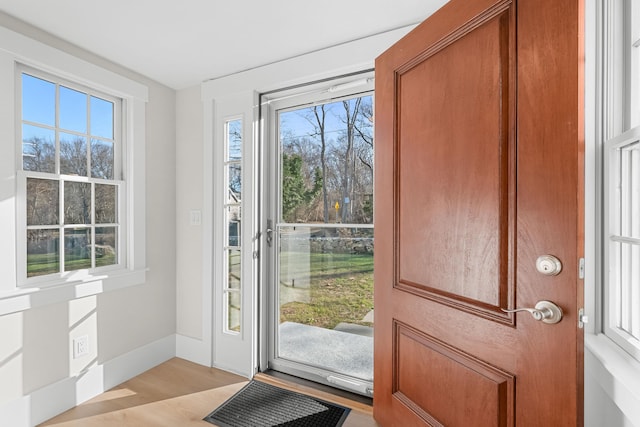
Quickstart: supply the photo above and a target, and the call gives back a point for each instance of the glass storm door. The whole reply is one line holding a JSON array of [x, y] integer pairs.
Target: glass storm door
[[321, 239]]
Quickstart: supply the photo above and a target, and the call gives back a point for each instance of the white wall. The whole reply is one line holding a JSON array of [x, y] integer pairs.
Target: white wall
[[189, 198], [600, 409], [612, 385], [130, 329]]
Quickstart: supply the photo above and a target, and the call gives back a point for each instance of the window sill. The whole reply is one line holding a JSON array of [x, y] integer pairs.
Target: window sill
[[616, 372], [32, 297]]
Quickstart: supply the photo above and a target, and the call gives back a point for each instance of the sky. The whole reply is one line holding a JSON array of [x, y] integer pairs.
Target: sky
[[39, 107], [293, 122]]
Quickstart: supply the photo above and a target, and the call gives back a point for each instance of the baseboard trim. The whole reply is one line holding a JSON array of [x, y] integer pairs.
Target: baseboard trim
[[49, 401], [193, 350]]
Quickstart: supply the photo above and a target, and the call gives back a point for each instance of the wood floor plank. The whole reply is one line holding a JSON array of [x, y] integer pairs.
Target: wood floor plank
[[178, 393]]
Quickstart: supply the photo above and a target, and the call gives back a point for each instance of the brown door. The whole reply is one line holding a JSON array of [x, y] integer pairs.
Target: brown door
[[479, 118]]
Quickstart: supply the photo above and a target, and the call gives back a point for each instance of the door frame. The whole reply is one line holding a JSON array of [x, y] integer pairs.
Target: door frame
[[242, 90]]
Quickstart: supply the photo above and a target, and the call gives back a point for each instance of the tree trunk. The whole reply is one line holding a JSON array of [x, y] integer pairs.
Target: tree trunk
[[323, 162], [347, 181]]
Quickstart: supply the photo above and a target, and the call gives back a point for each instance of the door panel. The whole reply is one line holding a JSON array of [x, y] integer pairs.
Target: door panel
[[469, 203], [452, 375], [468, 195]]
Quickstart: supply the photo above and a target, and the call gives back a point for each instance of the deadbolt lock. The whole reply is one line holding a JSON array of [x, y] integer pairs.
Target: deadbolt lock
[[548, 265]]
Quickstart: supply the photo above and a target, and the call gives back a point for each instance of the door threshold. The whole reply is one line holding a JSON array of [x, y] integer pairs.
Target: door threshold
[[320, 391]]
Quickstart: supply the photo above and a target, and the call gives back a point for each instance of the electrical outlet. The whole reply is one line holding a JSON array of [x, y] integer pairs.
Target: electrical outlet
[[80, 346]]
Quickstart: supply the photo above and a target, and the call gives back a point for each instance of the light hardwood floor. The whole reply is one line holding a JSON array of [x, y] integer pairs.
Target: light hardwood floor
[[179, 393]]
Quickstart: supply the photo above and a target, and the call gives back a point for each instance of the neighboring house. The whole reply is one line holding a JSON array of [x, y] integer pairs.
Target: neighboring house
[[162, 307], [234, 218]]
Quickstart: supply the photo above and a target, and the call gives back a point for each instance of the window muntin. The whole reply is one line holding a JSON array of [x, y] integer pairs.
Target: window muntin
[[232, 289], [71, 178]]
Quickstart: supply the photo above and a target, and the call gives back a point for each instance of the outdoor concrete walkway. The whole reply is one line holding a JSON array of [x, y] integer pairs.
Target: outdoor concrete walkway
[[347, 350]]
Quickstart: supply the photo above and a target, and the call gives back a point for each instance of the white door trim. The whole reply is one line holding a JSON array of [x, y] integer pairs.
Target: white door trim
[[237, 95]]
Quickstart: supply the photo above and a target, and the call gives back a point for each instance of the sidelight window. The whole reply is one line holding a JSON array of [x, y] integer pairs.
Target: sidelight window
[[232, 289]]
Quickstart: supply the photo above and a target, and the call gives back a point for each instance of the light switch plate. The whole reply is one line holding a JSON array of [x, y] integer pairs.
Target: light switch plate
[[195, 217]]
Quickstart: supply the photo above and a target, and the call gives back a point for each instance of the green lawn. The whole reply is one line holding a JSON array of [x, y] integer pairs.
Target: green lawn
[[40, 264], [341, 285], [340, 289]]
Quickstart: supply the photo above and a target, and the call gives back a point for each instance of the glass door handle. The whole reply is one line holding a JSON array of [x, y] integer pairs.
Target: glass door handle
[[269, 232], [545, 311]]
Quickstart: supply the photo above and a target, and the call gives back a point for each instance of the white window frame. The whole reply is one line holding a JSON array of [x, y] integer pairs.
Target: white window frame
[[227, 290], [17, 50], [619, 126], [22, 176]]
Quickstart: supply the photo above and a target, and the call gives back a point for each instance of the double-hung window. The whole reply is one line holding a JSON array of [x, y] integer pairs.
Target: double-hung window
[[72, 183], [620, 133], [70, 180]]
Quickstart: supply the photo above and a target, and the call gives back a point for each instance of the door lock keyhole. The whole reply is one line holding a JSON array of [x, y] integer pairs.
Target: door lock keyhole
[[548, 265]]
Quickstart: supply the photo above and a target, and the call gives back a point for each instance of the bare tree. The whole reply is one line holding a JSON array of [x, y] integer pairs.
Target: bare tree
[[363, 127], [102, 160], [320, 116], [73, 156], [39, 155], [42, 201], [364, 153], [351, 116], [345, 162]]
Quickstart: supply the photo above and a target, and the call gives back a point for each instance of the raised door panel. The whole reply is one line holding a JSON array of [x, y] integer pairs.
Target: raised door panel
[[455, 176], [460, 387]]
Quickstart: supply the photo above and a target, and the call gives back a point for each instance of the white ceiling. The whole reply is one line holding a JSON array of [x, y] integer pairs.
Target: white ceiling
[[182, 43]]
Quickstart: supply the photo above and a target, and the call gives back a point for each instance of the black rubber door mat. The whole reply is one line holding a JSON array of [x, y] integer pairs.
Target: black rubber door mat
[[263, 405]]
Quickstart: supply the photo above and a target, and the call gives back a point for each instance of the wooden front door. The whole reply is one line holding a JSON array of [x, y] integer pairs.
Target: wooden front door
[[479, 119]]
